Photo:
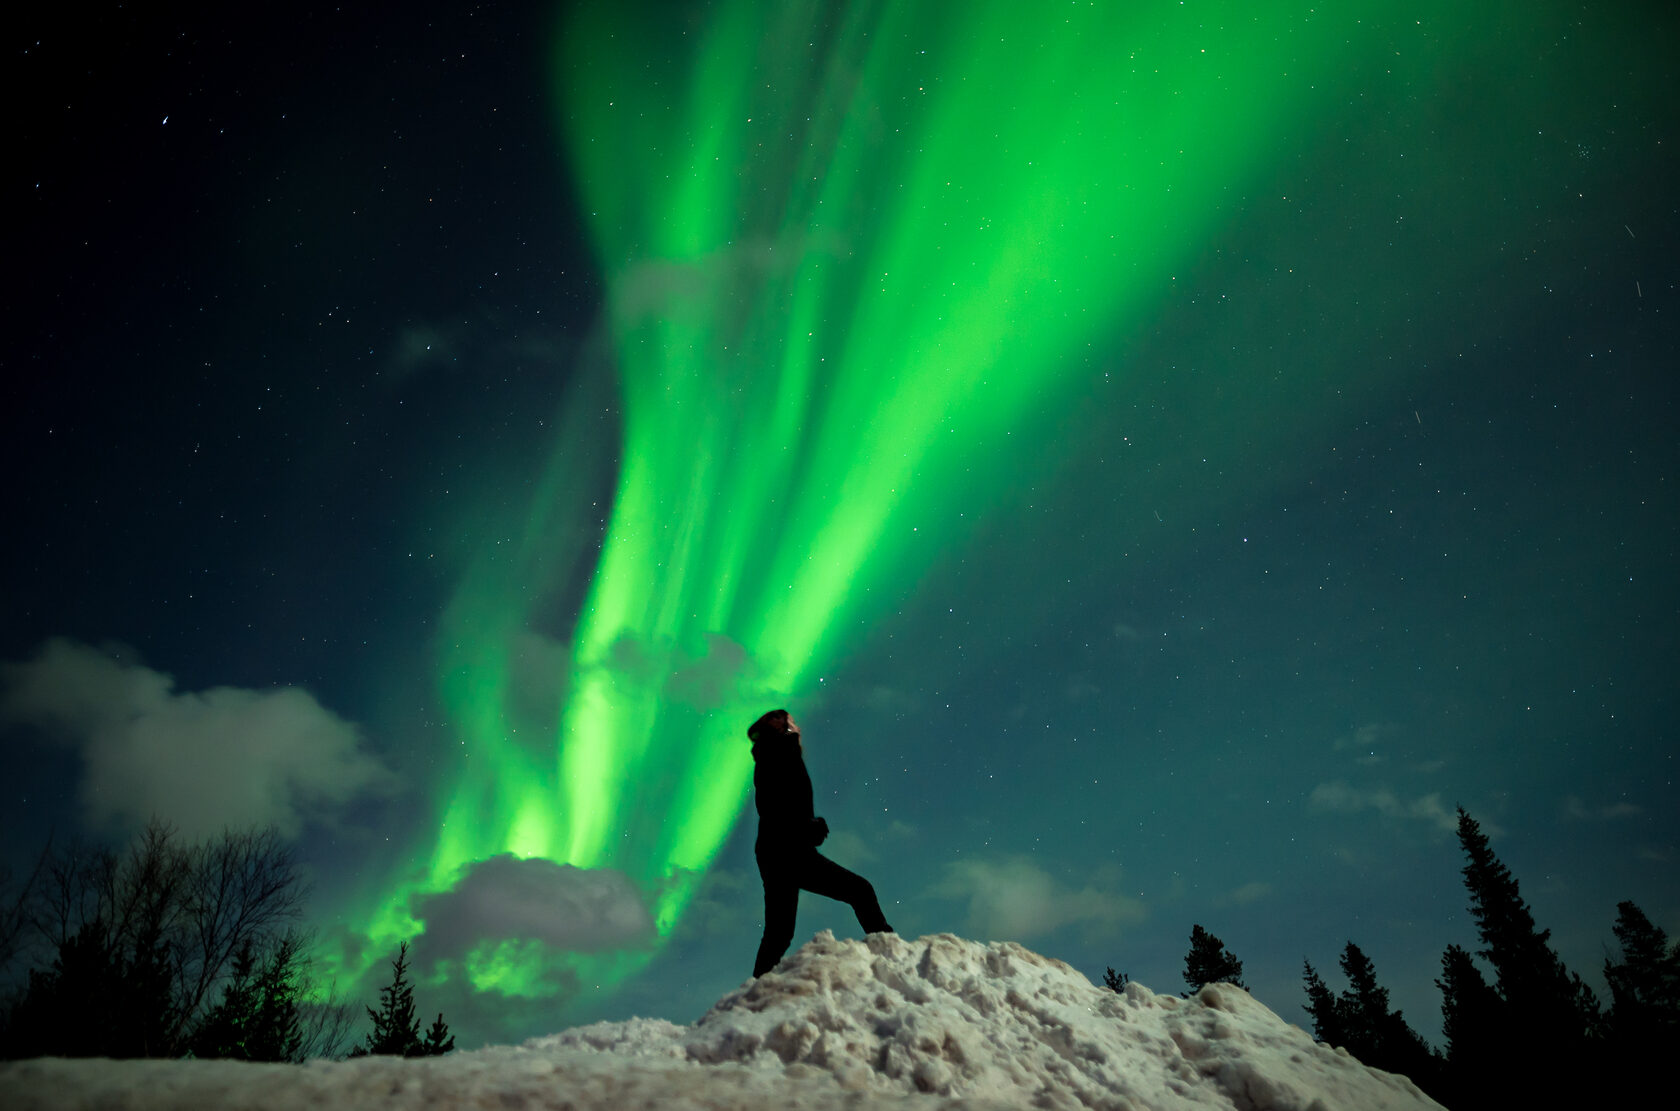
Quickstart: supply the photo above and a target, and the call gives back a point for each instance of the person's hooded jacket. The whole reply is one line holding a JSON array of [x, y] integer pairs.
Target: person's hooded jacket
[[787, 818]]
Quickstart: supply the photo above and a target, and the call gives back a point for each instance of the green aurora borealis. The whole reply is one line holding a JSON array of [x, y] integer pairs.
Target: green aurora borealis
[[1168, 455], [854, 256]]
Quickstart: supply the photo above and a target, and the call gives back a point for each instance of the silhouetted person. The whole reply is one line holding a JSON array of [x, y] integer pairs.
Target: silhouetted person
[[788, 835]]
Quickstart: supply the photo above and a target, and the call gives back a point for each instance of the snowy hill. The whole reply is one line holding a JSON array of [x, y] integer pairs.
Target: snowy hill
[[939, 1022]]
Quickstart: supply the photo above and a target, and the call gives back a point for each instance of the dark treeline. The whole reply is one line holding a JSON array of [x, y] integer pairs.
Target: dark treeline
[[166, 949], [1531, 1035]]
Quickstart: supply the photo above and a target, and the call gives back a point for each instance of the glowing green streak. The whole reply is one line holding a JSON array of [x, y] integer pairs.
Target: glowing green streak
[[853, 258]]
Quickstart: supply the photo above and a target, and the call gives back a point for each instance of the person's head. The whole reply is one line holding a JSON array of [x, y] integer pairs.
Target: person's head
[[776, 723]]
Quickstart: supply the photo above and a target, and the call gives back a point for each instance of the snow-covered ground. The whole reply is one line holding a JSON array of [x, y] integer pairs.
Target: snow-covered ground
[[938, 1022]]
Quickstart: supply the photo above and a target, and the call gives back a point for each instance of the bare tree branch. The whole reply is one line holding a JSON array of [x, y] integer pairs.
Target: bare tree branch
[[16, 918], [184, 910]]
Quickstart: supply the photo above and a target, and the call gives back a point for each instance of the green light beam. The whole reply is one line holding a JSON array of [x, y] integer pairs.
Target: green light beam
[[854, 257]]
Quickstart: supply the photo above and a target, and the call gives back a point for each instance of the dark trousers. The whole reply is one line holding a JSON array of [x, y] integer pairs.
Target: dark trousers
[[785, 875]]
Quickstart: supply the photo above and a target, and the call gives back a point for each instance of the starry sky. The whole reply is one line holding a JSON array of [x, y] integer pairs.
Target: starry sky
[[1167, 456]]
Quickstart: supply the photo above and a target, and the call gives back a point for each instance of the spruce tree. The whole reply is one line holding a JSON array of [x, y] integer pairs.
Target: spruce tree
[[1376, 1035], [258, 1017], [102, 997], [1550, 1003], [438, 1039], [1208, 962], [1360, 1022], [277, 1033], [1321, 1005], [1114, 981], [1475, 1024], [224, 1029], [1644, 984], [395, 1029], [1545, 1012]]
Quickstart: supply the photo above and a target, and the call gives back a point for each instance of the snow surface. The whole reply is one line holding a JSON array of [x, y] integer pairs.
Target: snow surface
[[929, 1024]]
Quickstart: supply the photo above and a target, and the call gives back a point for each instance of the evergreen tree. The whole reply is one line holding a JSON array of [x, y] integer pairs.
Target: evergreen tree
[[1360, 1022], [1644, 984], [1554, 1008], [258, 1018], [66, 1010], [142, 938], [1475, 1026], [438, 1039], [1364, 1002], [1208, 962], [1377, 1036], [395, 1029], [223, 1030], [1114, 981], [1543, 1011], [1321, 1005], [277, 1034], [97, 1000]]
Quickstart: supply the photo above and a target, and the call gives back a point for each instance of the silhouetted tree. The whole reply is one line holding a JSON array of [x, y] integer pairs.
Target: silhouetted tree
[[1535, 1006], [1321, 1005], [223, 1030], [1474, 1025], [1114, 981], [1208, 962], [15, 907], [258, 1018], [1552, 1004], [94, 1001], [140, 939], [1644, 984], [438, 1039], [1371, 1032], [395, 1029]]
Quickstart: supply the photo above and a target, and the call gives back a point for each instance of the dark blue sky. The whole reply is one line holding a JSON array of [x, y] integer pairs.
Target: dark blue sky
[[295, 304]]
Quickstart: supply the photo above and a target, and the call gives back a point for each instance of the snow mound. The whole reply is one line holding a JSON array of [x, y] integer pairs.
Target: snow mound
[[934, 1023]]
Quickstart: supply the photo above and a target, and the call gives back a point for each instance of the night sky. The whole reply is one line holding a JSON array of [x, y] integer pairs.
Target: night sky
[[1168, 457]]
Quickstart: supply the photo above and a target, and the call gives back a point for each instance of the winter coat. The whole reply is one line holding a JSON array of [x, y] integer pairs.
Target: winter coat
[[782, 792]]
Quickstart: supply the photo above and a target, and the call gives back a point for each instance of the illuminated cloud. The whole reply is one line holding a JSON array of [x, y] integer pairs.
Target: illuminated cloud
[[504, 898], [1013, 898], [1340, 798], [1249, 893], [204, 761], [1575, 809], [538, 669]]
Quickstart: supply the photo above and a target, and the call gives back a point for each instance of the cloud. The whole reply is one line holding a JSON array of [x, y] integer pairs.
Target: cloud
[[723, 671], [667, 290], [1014, 898], [847, 847], [1368, 741], [879, 698], [1574, 808], [728, 904], [204, 761], [538, 670], [1248, 893], [505, 898], [1340, 798], [1079, 686]]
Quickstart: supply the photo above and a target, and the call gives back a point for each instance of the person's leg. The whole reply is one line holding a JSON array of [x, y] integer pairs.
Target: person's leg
[[822, 876], [781, 907]]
